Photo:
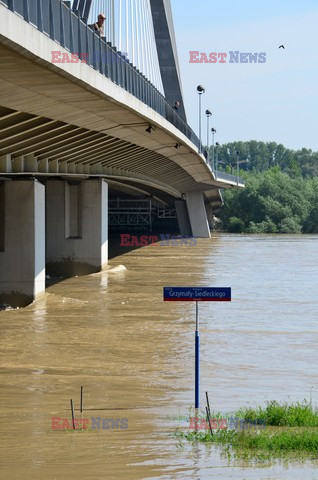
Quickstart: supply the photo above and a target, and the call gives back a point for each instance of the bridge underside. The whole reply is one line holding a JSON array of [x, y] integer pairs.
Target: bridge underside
[[41, 147], [71, 143]]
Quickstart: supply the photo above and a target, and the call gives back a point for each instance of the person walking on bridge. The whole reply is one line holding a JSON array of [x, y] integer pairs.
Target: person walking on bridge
[[99, 25]]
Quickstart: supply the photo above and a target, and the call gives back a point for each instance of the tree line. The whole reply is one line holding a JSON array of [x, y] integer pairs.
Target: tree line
[[281, 193]]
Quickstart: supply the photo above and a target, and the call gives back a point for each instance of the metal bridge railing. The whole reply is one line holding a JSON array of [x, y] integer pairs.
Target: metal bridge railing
[[55, 19], [130, 206], [229, 177]]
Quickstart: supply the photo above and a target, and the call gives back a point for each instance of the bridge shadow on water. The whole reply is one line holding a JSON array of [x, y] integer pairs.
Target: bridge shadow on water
[[115, 249]]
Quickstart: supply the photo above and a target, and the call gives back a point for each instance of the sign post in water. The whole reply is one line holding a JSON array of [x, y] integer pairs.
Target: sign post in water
[[197, 294]]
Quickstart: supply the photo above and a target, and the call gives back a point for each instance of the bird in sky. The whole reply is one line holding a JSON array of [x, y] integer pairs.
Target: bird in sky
[[282, 46]]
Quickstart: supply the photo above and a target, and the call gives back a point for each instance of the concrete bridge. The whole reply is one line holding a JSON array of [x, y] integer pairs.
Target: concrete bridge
[[82, 126]]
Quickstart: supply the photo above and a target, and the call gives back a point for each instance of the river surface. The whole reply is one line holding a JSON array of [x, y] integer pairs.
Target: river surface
[[133, 354]]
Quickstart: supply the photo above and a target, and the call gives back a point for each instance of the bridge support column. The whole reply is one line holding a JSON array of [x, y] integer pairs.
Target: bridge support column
[[209, 213], [22, 241], [77, 227], [183, 218], [197, 214]]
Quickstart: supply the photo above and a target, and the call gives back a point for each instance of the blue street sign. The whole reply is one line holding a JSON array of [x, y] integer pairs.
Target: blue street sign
[[197, 294]]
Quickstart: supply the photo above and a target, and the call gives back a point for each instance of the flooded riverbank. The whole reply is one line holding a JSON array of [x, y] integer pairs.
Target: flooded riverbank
[[133, 353]]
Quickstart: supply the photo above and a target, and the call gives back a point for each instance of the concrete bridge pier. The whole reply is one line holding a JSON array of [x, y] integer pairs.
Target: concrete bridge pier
[[76, 227], [197, 215], [22, 241], [209, 213], [183, 218]]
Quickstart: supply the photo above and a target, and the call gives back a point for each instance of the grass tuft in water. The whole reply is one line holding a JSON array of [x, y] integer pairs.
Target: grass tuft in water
[[265, 444], [282, 415], [292, 432]]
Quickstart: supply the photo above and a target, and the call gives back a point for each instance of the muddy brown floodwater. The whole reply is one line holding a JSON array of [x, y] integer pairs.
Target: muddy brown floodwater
[[133, 353]]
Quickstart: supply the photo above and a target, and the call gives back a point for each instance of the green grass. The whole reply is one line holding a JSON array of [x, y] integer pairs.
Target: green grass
[[291, 431], [274, 414], [262, 445], [282, 415]]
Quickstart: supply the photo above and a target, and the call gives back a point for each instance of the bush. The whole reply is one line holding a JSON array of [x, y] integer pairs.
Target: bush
[[267, 226], [235, 225], [271, 202], [289, 225]]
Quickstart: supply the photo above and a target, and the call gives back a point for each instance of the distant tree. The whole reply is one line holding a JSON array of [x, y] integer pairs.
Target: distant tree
[[260, 156], [289, 225], [272, 202]]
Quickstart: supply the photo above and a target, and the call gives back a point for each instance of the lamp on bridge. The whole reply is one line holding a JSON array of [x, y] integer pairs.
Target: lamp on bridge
[[200, 91], [237, 166], [217, 155], [238, 163], [150, 128], [213, 133], [208, 115]]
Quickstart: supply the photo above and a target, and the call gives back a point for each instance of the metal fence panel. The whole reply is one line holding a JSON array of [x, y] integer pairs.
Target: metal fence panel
[[33, 12], [90, 47], [56, 20], [65, 24], [74, 27], [18, 6], [46, 17]]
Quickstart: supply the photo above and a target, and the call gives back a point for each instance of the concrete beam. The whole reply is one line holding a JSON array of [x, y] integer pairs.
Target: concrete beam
[[18, 164], [30, 163], [53, 166], [5, 164], [44, 165]]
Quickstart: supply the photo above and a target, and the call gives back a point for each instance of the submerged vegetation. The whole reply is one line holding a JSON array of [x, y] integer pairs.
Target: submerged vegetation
[[291, 430], [281, 193]]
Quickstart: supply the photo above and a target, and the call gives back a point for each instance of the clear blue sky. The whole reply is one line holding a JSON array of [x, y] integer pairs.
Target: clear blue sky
[[275, 101]]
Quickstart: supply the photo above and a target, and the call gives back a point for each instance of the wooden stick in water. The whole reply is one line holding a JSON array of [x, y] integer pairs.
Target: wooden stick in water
[[209, 419], [81, 399], [73, 418], [208, 403]]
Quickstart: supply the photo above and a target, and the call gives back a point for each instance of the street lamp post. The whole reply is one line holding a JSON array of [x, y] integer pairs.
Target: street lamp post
[[200, 91], [217, 156], [237, 164], [213, 133], [208, 115]]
